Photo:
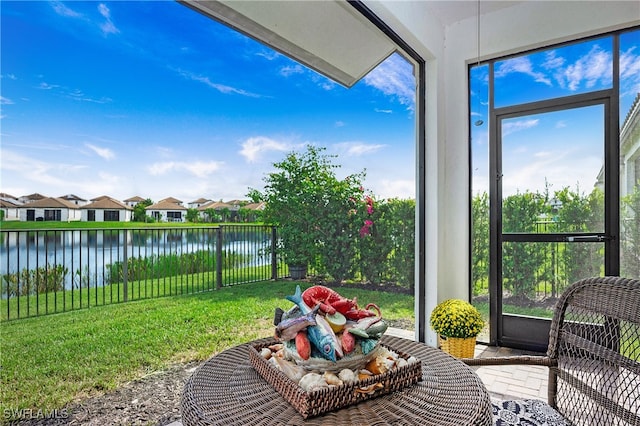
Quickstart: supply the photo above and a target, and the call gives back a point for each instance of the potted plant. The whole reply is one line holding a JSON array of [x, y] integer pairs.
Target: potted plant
[[296, 248], [457, 323]]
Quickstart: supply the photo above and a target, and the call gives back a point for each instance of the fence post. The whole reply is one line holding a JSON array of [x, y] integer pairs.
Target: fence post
[[125, 264], [274, 255], [219, 259]]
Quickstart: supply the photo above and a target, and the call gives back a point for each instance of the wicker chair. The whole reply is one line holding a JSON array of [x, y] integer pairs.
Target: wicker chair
[[593, 358]]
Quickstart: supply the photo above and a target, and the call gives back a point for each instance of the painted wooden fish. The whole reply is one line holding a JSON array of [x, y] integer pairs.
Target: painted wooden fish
[[288, 328], [320, 337]]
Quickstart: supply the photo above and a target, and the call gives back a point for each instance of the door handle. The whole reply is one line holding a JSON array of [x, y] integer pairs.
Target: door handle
[[587, 238]]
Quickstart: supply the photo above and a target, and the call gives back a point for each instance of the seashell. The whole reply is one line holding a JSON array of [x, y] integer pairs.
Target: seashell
[[291, 370], [312, 381], [412, 360], [265, 353], [380, 365], [370, 389], [387, 353], [347, 375], [332, 379], [364, 374], [401, 362], [276, 347], [273, 362], [389, 363], [375, 366]]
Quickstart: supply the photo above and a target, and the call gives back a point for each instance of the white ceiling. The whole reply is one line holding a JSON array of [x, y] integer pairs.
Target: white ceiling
[[452, 11], [331, 37]]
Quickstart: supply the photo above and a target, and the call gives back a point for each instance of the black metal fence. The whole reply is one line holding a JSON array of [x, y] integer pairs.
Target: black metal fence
[[48, 271]]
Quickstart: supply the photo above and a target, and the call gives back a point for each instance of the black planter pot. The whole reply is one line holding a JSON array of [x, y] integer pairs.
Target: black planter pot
[[298, 272]]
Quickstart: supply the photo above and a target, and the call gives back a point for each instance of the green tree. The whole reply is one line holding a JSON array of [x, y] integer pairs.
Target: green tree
[[400, 216], [376, 244], [480, 243], [225, 214], [521, 261], [140, 212], [193, 215], [311, 208], [290, 194], [212, 215], [579, 213], [336, 223], [254, 195]]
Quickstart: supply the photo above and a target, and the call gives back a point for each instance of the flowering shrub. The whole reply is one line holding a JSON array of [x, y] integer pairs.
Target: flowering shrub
[[456, 318], [334, 225]]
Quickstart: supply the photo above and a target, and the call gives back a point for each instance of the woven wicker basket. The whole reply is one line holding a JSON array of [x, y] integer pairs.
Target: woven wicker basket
[[314, 403], [458, 347]]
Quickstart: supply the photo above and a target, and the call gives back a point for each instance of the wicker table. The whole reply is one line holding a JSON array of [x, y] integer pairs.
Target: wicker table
[[226, 390]]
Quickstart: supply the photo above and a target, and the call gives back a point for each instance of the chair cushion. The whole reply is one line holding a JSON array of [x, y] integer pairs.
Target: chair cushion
[[526, 412]]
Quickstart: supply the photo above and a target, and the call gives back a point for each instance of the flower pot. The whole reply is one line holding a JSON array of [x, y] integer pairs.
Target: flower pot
[[298, 272], [459, 347]]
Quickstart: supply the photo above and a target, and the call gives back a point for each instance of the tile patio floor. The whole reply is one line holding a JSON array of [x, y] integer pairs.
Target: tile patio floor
[[502, 381]]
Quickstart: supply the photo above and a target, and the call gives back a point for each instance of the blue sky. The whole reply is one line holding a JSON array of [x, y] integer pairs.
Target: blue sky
[[563, 149], [153, 99]]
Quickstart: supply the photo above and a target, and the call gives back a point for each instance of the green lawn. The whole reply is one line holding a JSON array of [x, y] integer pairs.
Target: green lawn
[[67, 300], [52, 360]]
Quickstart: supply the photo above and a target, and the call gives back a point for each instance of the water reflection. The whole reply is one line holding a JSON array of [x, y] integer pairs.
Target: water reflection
[[90, 254]]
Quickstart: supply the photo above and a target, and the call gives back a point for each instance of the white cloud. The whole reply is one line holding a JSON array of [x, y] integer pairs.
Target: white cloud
[[322, 81], [629, 73], [552, 61], [398, 188], [383, 111], [589, 69], [5, 101], [254, 148], [105, 153], [164, 152], [63, 10], [107, 27], [199, 169], [291, 70], [356, 149], [552, 167], [340, 123], [516, 126], [394, 77], [47, 86], [42, 173], [78, 95], [222, 88], [328, 85], [521, 65], [269, 55]]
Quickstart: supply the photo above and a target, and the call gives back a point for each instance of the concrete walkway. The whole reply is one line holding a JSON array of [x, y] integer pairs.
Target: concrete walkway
[[503, 381]]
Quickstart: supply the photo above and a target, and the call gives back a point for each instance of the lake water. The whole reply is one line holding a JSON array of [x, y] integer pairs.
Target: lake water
[[90, 252]]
